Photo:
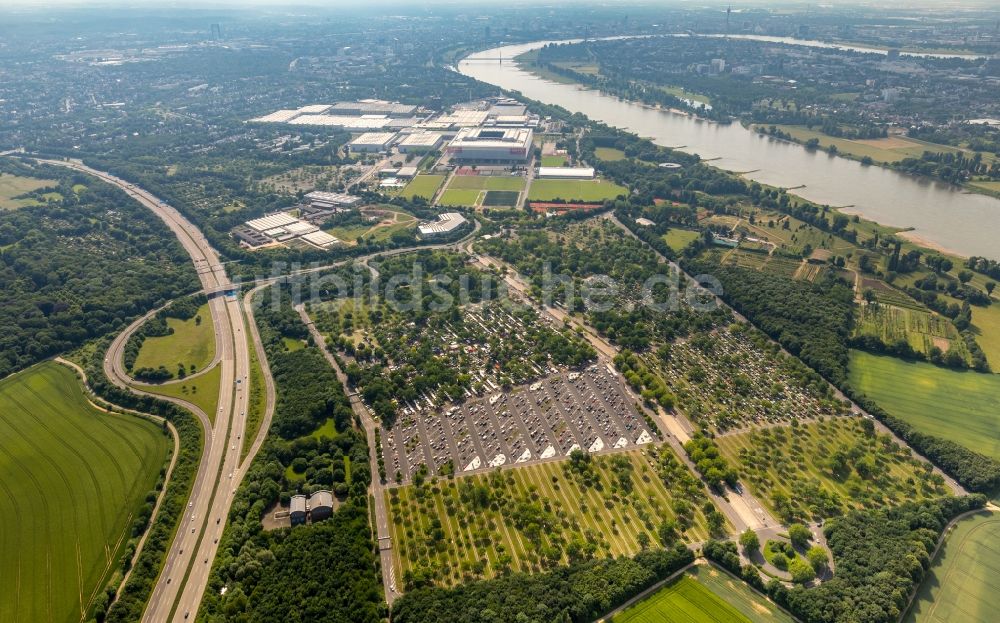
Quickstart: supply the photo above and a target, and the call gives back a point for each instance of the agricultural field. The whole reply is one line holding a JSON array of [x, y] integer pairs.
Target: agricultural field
[[679, 239], [823, 468], [961, 583], [885, 150], [12, 186], [72, 479], [422, 186], [704, 594], [956, 405], [201, 390], [533, 517], [922, 330], [609, 154], [192, 343], [574, 190], [774, 264], [986, 326]]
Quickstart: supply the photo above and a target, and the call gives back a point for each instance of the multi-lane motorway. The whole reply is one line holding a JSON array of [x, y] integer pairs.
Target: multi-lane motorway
[[182, 581]]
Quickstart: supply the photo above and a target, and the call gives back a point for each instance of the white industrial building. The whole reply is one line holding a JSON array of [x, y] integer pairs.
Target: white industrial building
[[462, 118], [373, 107], [323, 199], [566, 173], [420, 142], [445, 224], [372, 142], [491, 145], [282, 227], [321, 239]]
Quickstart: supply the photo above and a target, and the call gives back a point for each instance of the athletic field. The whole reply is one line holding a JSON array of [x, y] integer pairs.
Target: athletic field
[[961, 584], [704, 594], [71, 481], [574, 190]]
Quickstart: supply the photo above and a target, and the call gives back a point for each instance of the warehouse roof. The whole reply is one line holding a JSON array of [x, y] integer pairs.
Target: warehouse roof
[[580, 173], [320, 239], [447, 222], [374, 138], [271, 221]]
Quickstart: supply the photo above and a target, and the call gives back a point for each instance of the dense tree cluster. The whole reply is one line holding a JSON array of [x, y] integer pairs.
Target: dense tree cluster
[[80, 267], [577, 593], [709, 461], [323, 571]]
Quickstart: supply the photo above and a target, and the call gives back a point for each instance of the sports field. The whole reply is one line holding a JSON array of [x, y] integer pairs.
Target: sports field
[[609, 153], [13, 185], [961, 406], [703, 594], [525, 518], [201, 390], [192, 344], [72, 479], [486, 182], [823, 468], [422, 186], [554, 161], [467, 198], [961, 584], [579, 190]]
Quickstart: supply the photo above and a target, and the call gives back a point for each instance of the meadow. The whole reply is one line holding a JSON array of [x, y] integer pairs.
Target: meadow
[[704, 594], [391, 221], [13, 185], [609, 154], [986, 326], [423, 186], [885, 150], [579, 190], [192, 343], [961, 406], [530, 517], [201, 390], [678, 239], [961, 583], [823, 468], [72, 479]]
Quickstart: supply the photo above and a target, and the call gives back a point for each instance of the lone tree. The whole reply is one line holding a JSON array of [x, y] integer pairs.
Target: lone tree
[[799, 535], [749, 541]]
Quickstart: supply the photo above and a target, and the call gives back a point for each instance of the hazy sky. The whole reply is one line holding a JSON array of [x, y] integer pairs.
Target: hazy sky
[[331, 4]]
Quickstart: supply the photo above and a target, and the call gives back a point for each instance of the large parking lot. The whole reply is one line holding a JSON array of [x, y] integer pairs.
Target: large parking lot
[[549, 418]]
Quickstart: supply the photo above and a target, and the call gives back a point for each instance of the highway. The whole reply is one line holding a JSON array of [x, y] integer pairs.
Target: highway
[[184, 576]]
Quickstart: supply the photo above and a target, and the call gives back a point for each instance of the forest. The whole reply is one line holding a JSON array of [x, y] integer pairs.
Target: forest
[[577, 593], [80, 266], [280, 574]]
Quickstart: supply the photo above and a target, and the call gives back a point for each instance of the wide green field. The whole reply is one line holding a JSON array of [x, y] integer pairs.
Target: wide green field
[[13, 185], [986, 325], [892, 149], [192, 344], [609, 153], [467, 198], [486, 182], [678, 239], [423, 186], [962, 582], [794, 472], [961, 406], [580, 190], [703, 594], [454, 534], [71, 480], [201, 390]]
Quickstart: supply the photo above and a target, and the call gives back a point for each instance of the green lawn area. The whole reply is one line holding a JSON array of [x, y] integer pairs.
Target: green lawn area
[[990, 186], [192, 343], [808, 471], [480, 537], [961, 583], [703, 594], [609, 153], [687, 95], [202, 390], [554, 161], [581, 190], [292, 344], [486, 182], [72, 479], [13, 185], [422, 186], [986, 325], [328, 430], [467, 198], [960, 406], [258, 400], [890, 149], [678, 239], [379, 231]]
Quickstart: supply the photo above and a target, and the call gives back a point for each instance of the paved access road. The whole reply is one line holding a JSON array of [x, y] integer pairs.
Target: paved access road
[[184, 576]]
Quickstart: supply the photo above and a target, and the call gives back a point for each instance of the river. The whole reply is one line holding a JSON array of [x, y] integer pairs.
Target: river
[[941, 215]]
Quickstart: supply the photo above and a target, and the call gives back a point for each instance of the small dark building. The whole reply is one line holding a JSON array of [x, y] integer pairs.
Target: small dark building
[[298, 510], [320, 505]]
